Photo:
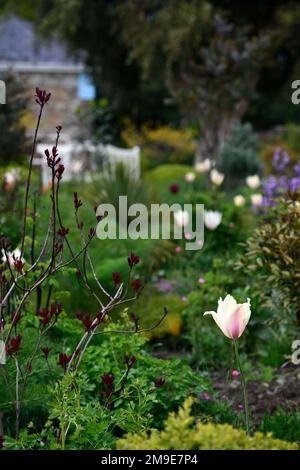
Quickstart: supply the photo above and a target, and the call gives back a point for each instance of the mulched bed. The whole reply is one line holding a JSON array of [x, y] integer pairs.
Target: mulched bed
[[264, 397]]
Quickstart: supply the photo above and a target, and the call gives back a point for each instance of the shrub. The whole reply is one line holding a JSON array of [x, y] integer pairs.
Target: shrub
[[162, 145], [292, 136], [267, 155], [283, 425], [239, 155], [113, 183], [160, 178], [181, 432], [273, 253]]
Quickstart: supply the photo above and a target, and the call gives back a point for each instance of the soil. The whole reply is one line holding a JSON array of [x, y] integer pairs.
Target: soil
[[264, 397]]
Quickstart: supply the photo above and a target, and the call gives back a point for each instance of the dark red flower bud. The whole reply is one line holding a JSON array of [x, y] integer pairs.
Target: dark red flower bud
[[77, 202], [59, 171], [63, 231], [159, 382], [28, 367], [80, 225], [1, 442], [45, 316], [117, 278], [19, 265], [46, 352], [52, 309], [42, 97], [174, 188], [136, 284], [129, 361], [108, 379], [15, 317], [14, 346], [85, 319], [63, 360], [54, 153], [133, 259]]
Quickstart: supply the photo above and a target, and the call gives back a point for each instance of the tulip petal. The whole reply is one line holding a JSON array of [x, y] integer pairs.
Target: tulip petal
[[219, 321], [239, 319], [227, 306]]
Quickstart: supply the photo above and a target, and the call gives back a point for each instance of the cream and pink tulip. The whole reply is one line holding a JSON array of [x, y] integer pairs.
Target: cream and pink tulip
[[231, 317]]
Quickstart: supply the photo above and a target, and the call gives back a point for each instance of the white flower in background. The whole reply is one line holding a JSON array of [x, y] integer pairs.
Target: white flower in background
[[181, 218], [212, 219], [239, 200], [12, 256], [11, 178], [231, 317], [216, 177], [190, 177], [253, 181], [256, 199], [203, 167], [77, 167]]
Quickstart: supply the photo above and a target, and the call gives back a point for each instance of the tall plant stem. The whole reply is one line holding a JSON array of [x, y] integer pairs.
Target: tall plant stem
[[244, 384], [29, 177]]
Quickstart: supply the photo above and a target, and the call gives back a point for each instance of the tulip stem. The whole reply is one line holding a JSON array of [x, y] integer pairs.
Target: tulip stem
[[244, 384]]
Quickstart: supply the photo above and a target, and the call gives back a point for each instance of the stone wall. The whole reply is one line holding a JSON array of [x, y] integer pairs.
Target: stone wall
[[61, 109]]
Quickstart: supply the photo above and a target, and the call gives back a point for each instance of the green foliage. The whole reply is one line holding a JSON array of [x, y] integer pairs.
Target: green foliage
[[150, 307], [180, 379], [164, 145], [73, 423], [115, 182], [273, 253], [283, 425], [292, 136], [160, 178], [238, 157], [181, 432]]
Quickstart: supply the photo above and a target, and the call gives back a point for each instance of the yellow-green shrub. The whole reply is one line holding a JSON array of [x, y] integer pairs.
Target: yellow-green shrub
[[181, 433], [162, 144]]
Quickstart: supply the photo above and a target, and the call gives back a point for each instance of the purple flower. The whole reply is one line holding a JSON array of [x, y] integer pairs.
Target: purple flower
[[297, 169], [280, 160], [295, 184]]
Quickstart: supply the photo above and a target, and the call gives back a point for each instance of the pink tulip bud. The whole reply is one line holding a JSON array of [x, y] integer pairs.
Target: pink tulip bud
[[235, 373], [205, 396]]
